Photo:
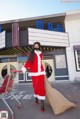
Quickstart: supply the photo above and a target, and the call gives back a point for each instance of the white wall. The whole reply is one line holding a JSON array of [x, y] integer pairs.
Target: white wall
[[72, 26]]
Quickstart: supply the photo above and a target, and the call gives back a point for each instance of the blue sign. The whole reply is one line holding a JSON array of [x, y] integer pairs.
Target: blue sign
[[59, 27], [50, 26], [39, 24]]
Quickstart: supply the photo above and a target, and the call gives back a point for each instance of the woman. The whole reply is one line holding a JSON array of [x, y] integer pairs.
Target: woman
[[41, 85], [36, 70]]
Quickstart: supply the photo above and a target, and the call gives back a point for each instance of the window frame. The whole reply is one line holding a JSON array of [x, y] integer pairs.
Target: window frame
[[76, 60]]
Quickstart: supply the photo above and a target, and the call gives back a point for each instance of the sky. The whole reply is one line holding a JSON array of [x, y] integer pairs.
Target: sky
[[19, 9]]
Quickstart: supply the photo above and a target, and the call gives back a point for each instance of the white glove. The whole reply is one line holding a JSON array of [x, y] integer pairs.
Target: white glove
[[23, 69]]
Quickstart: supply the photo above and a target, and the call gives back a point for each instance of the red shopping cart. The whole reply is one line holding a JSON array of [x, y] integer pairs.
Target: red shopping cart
[[5, 89]]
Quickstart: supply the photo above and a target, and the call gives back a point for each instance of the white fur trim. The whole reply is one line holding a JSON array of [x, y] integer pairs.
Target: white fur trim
[[23, 69], [39, 97], [36, 73], [39, 60], [39, 52]]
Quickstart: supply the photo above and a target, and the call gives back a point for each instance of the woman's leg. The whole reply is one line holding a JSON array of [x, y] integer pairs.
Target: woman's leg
[[41, 91], [35, 88], [42, 106]]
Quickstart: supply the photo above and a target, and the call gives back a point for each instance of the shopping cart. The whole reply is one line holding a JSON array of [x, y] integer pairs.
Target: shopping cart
[[6, 89]]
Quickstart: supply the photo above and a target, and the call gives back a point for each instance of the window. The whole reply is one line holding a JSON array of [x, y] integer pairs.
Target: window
[[22, 59], [77, 55], [13, 59], [4, 71], [3, 60]]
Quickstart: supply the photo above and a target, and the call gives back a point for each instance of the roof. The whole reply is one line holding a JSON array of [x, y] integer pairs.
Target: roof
[[33, 18]]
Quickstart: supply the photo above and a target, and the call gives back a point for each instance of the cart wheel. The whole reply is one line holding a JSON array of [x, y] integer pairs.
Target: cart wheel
[[12, 117]]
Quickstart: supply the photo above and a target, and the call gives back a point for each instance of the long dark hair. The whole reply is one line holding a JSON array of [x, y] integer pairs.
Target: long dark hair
[[31, 54]]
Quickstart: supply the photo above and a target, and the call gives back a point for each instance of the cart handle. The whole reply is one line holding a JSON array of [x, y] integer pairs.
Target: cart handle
[[15, 71]]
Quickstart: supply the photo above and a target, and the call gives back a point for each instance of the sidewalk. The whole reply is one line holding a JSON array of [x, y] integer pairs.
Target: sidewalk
[[31, 111]]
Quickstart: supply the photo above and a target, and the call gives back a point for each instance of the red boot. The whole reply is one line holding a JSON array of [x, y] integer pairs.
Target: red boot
[[36, 100]]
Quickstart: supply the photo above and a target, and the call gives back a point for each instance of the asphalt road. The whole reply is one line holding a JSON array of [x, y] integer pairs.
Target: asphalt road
[[29, 110]]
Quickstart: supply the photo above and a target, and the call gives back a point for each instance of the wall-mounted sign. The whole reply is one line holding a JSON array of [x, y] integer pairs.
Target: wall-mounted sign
[[50, 26], [60, 61]]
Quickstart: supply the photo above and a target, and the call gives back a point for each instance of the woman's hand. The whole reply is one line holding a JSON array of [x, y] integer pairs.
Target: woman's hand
[[23, 69]]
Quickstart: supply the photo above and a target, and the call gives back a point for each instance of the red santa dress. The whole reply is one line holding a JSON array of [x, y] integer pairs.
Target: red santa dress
[[36, 70]]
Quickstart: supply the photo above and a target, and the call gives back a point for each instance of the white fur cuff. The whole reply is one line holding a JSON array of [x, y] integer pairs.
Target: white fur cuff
[[23, 69]]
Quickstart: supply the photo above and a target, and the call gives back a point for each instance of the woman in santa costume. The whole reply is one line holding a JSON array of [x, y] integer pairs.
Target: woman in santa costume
[[41, 84], [36, 70]]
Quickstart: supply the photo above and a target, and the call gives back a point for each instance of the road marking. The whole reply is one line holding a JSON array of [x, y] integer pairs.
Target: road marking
[[19, 95]]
